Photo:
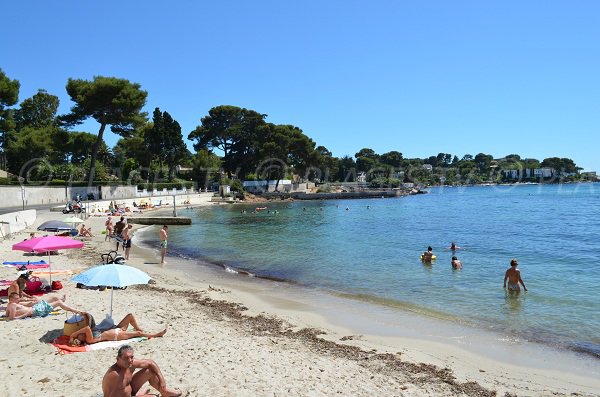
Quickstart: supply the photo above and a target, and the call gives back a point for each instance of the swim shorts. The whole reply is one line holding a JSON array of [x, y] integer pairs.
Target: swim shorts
[[513, 287], [42, 309], [127, 243], [163, 244]]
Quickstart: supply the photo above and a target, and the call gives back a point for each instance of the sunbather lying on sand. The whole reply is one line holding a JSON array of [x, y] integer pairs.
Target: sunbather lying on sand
[[88, 335], [42, 308]]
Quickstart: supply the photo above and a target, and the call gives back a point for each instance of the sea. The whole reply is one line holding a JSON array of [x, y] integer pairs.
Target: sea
[[368, 251]]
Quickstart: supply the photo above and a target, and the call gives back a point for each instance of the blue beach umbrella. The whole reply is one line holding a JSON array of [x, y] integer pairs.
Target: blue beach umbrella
[[54, 226], [112, 275]]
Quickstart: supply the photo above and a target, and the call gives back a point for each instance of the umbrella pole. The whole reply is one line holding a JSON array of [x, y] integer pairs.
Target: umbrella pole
[[112, 289], [50, 268]]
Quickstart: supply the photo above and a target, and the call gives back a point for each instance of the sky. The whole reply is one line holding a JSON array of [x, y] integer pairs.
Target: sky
[[420, 77]]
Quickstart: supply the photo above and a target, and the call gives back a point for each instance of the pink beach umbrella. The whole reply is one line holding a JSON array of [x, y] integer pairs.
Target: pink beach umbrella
[[47, 244]]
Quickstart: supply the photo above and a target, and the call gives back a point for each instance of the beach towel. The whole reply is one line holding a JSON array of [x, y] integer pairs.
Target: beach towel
[[54, 272], [62, 345], [30, 267], [15, 263], [5, 282]]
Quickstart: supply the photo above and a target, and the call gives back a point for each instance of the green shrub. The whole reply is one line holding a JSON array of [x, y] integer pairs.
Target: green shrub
[[383, 183], [325, 189]]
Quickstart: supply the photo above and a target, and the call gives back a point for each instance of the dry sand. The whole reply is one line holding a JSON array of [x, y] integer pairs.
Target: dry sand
[[231, 339]]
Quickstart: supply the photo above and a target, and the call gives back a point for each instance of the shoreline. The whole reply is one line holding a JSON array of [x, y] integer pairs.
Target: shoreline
[[379, 304], [239, 335], [258, 294]]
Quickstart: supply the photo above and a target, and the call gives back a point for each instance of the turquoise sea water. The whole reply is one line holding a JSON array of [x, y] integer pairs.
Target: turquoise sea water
[[371, 252]]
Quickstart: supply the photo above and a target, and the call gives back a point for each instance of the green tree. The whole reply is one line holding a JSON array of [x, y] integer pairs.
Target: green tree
[[40, 113], [109, 101], [80, 146], [483, 161], [328, 165], [9, 96], [347, 169], [134, 148], [165, 142], [366, 159], [28, 150], [234, 131], [302, 154], [272, 150], [205, 167], [392, 158]]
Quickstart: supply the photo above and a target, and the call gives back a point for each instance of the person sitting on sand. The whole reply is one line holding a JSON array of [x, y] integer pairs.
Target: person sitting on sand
[[16, 310], [427, 255], [89, 335], [122, 380], [18, 287], [456, 264], [85, 232], [513, 275]]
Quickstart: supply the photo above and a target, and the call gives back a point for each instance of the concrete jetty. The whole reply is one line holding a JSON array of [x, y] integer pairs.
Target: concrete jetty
[[159, 220]]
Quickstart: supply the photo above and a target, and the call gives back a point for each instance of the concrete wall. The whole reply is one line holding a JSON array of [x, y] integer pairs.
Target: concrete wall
[[16, 221], [117, 192], [10, 196]]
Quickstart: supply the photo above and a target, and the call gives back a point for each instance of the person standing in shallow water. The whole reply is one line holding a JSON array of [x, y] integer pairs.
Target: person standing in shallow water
[[427, 256], [163, 243], [456, 264], [513, 276]]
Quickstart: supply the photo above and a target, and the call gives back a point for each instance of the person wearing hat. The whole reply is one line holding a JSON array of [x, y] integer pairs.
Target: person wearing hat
[[18, 286]]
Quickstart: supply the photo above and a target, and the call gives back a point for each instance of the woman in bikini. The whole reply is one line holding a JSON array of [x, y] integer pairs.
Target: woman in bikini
[[87, 335]]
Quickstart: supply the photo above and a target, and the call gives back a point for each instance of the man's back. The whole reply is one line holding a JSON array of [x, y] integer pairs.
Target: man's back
[[119, 226], [513, 275]]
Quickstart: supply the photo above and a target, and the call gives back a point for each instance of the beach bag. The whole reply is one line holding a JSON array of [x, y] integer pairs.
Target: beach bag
[[56, 285], [77, 322], [33, 285]]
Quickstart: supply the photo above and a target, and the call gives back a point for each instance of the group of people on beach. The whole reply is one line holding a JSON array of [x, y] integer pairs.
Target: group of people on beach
[[512, 276], [121, 231], [121, 379]]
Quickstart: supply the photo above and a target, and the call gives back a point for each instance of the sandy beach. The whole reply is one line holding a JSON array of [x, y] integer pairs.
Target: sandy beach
[[233, 336]]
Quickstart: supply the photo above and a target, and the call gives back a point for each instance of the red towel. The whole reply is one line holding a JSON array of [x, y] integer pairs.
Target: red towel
[[62, 345]]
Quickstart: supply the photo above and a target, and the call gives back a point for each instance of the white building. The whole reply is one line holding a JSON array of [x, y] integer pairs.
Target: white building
[[528, 173], [284, 185]]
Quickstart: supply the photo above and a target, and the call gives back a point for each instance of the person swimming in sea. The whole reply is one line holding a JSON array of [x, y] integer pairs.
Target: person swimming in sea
[[454, 247], [513, 276], [427, 256], [456, 264]]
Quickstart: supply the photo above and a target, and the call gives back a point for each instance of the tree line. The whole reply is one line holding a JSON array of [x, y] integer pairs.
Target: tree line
[[36, 143]]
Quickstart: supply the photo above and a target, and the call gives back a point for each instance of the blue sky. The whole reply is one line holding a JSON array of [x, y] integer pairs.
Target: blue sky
[[420, 77]]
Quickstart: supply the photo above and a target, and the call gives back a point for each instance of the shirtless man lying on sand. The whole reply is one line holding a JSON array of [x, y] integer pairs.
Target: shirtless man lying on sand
[[87, 335], [121, 381], [16, 310]]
